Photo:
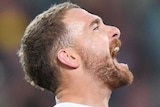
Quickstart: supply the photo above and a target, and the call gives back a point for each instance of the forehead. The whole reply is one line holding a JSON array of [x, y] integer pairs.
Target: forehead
[[77, 14], [77, 18]]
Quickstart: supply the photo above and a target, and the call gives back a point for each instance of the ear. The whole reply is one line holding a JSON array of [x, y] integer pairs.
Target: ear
[[68, 58]]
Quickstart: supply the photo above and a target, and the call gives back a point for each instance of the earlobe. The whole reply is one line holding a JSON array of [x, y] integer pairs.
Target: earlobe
[[68, 58]]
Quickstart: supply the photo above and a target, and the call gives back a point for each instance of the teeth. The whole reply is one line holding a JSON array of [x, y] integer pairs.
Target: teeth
[[116, 49]]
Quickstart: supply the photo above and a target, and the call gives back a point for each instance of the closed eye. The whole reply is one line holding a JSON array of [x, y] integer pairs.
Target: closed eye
[[96, 28], [95, 24]]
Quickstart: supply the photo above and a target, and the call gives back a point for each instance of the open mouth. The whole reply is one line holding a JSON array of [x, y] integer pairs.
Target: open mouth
[[122, 68], [114, 51], [115, 47]]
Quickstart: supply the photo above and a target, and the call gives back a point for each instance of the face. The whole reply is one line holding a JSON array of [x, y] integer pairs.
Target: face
[[97, 45]]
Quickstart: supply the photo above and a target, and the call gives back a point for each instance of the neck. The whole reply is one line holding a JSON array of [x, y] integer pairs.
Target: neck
[[84, 91]]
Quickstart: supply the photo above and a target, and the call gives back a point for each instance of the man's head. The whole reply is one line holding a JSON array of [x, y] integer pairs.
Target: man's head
[[66, 37], [97, 44], [45, 34]]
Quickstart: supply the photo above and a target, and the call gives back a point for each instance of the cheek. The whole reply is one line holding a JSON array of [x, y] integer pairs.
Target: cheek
[[98, 46]]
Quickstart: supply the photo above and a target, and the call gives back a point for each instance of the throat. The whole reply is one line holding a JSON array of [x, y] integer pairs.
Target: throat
[[85, 95]]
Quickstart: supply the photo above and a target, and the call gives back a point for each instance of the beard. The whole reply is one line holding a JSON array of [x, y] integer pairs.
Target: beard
[[112, 76], [106, 69]]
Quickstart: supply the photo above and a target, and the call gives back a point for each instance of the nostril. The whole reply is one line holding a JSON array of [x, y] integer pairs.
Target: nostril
[[115, 32], [115, 35]]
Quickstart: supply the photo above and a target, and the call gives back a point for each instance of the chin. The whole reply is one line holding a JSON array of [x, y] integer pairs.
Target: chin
[[124, 75], [124, 71], [113, 74], [119, 74]]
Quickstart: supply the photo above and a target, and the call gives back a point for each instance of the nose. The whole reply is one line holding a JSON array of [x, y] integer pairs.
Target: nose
[[113, 32]]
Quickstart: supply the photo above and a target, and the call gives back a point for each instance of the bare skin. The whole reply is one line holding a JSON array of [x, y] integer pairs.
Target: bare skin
[[78, 84]]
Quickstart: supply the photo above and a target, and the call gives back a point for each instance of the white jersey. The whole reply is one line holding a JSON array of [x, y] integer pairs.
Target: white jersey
[[68, 104]]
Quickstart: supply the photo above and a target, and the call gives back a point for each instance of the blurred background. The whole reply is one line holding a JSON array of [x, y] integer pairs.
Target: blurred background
[[139, 22]]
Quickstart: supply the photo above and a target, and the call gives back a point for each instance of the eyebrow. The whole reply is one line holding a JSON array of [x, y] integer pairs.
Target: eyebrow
[[95, 21]]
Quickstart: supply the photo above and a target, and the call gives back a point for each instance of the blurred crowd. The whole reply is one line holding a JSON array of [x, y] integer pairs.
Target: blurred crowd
[[139, 22]]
